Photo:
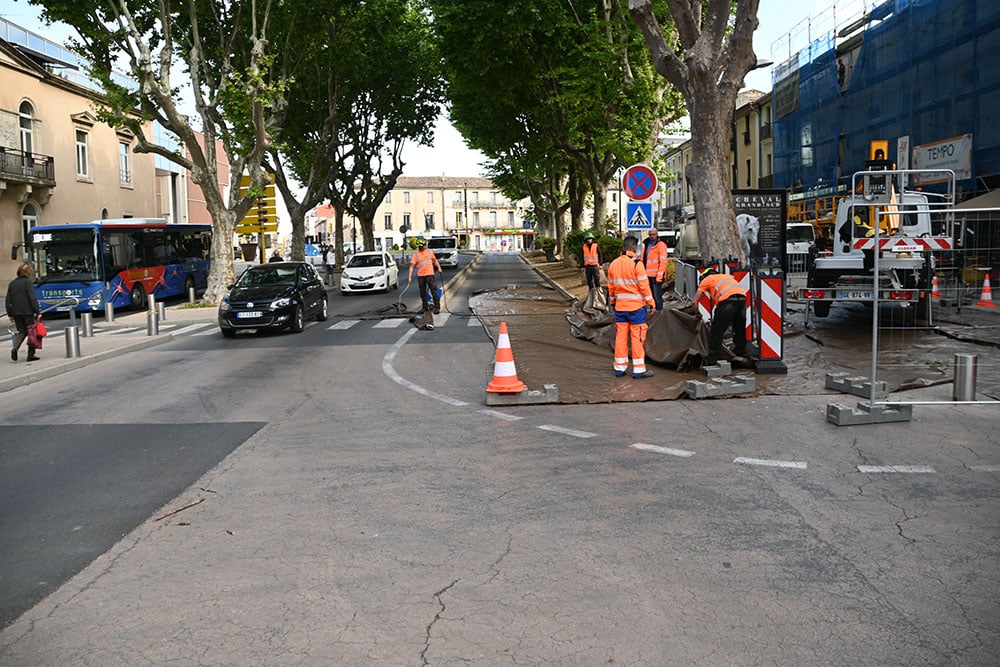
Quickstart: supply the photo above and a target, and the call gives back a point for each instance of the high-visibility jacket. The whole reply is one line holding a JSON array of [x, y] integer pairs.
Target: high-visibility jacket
[[719, 287], [655, 258], [591, 254], [628, 286], [425, 261]]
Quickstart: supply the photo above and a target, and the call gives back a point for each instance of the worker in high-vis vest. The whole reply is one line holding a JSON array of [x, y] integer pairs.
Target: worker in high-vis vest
[[592, 260], [426, 263], [654, 258], [727, 305], [629, 296]]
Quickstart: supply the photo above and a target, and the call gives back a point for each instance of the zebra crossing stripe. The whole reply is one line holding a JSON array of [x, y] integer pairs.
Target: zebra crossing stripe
[[473, 322], [343, 324], [389, 323], [683, 453], [194, 327], [771, 463]]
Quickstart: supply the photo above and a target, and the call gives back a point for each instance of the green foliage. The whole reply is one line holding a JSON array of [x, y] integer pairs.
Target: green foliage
[[545, 243]]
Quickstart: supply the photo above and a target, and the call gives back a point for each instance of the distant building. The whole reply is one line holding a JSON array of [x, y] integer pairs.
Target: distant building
[[470, 208]]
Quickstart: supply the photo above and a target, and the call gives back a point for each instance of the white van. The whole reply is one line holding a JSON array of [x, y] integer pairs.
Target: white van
[[445, 248], [798, 237]]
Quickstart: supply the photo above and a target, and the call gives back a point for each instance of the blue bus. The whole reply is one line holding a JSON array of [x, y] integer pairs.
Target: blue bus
[[118, 261]]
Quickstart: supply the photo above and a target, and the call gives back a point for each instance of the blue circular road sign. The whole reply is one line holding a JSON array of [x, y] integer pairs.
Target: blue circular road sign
[[639, 182]]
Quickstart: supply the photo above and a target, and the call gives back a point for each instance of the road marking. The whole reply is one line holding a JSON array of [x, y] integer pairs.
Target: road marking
[[439, 320], [662, 450], [985, 468], [206, 333], [473, 322], [391, 323], [567, 431], [501, 415], [903, 469], [343, 324], [193, 327], [799, 465], [387, 368]]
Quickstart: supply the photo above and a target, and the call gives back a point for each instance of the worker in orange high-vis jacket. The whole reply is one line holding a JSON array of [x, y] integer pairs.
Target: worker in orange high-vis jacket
[[426, 264], [654, 258], [728, 305], [629, 295], [592, 260]]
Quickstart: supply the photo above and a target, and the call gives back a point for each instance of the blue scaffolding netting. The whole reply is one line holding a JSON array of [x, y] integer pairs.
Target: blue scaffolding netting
[[926, 69]]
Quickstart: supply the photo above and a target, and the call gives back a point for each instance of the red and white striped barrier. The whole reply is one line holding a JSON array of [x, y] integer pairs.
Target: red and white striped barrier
[[905, 244]]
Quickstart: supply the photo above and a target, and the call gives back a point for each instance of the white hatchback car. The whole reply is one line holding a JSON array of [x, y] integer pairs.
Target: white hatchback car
[[369, 272]]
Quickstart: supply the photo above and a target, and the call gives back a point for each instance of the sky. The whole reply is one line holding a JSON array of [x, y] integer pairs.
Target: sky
[[785, 27]]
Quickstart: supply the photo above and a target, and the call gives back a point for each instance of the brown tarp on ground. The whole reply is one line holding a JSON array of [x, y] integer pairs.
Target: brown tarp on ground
[[675, 338]]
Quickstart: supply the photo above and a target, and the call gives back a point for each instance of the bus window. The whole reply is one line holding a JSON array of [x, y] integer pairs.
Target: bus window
[[120, 251]]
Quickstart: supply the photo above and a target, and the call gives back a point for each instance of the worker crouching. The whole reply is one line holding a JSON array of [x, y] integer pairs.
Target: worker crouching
[[630, 297], [727, 306]]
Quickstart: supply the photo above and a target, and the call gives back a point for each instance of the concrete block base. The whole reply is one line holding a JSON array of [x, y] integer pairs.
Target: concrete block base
[[718, 369], [549, 394], [866, 413], [740, 384], [859, 386]]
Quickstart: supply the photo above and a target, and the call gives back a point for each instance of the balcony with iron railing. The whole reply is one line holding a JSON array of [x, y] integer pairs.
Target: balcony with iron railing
[[765, 182], [493, 203], [766, 131], [20, 167]]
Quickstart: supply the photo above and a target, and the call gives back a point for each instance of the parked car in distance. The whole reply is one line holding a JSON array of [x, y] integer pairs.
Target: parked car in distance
[[369, 272], [273, 296]]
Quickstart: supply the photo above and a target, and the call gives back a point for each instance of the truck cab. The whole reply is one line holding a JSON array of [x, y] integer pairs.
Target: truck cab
[[907, 238]]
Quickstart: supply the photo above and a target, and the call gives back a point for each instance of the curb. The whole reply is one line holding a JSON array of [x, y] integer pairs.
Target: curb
[[556, 286]]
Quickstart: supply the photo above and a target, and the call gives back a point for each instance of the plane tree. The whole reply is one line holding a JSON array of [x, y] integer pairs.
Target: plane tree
[[212, 54], [705, 49]]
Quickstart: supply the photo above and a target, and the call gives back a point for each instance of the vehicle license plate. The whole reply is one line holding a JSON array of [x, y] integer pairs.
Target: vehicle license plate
[[856, 294], [250, 314], [363, 286]]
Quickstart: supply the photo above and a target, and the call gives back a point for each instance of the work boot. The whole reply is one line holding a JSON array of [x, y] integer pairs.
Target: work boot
[[13, 355], [643, 375], [437, 311], [619, 374]]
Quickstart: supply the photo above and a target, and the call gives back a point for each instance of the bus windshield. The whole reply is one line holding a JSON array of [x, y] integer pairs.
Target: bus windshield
[[65, 255]]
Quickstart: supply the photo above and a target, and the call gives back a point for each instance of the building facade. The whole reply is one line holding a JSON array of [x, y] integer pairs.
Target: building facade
[[469, 208]]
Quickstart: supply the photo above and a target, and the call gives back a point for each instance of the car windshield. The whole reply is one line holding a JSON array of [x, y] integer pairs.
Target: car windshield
[[798, 233], [267, 275], [439, 244], [365, 261]]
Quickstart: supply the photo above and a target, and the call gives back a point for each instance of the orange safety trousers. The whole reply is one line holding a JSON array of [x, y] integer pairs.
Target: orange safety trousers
[[634, 334]]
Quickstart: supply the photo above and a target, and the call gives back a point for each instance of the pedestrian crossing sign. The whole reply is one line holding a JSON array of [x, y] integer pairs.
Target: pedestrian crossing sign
[[639, 215]]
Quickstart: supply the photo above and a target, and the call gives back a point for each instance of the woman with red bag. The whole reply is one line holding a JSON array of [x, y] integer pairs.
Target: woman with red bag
[[22, 309]]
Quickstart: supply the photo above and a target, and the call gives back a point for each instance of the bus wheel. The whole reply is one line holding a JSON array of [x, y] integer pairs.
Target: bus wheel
[[138, 297]]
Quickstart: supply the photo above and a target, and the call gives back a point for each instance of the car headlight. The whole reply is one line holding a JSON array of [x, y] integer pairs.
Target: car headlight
[[281, 303], [224, 306], [379, 273]]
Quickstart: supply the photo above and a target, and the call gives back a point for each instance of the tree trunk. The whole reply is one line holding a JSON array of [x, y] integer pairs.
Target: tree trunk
[[297, 214], [709, 174], [222, 273], [338, 234]]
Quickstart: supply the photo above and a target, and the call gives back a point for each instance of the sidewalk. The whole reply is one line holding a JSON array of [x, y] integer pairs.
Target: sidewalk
[[127, 333]]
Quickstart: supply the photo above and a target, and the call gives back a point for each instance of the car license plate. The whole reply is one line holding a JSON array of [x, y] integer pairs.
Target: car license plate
[[856, 295], [363, 286], [249, 314]]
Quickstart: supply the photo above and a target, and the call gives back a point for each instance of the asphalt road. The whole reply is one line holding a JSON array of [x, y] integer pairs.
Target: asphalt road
[[382, 515]]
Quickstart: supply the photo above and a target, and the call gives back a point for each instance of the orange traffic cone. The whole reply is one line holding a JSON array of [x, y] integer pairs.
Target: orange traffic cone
[[504, 374], [935, 292], [986, 299]]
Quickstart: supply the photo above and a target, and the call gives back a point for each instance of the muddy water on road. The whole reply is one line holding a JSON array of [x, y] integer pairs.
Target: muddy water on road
[[545, 352]]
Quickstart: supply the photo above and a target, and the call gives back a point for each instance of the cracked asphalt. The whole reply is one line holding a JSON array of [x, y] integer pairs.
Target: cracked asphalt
[[369, 524]]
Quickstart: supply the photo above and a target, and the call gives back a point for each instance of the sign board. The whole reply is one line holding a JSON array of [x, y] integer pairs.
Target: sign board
[[639, 215], [639, 182], [954, 154], [761, 217]]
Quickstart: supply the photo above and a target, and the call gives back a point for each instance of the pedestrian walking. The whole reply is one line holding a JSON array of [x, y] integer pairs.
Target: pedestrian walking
[[654, 258], [22, 309], [427, 264], [630, 297], [329, 261], [592, 260], [728, 305]]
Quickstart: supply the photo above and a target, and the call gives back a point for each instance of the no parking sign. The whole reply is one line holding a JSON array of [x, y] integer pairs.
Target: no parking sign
[[639, 182]]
